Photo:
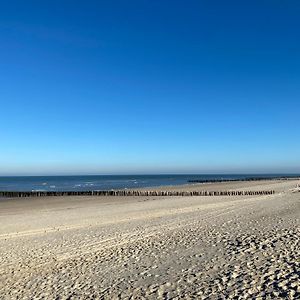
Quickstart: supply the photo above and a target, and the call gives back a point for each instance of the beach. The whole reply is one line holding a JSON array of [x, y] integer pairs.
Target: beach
[[139, 247]]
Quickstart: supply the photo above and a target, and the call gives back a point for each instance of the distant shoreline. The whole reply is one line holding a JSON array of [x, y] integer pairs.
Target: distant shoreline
[[85, 184], [245, 179]]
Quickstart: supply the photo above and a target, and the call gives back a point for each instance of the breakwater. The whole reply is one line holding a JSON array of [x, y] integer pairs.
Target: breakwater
[[12, 194]]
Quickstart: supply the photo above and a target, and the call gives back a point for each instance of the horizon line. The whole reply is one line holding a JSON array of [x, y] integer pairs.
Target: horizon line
[[159, 174]]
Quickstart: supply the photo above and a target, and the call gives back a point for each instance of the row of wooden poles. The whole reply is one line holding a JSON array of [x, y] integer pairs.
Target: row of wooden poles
[[133, 193]]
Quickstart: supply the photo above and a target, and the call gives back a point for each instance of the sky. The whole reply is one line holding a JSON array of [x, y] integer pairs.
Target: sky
[[143, 87]]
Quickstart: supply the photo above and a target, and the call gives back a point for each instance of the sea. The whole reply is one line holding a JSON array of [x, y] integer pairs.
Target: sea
[[113, 182]]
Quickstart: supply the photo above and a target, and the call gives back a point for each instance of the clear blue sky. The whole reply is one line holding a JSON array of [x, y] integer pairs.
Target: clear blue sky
[[105, 87]]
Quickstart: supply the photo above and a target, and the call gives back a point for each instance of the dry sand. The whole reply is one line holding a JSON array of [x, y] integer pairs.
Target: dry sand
[[243, 247]]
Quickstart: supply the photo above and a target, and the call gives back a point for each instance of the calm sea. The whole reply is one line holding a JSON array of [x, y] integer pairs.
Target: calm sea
[[107, 182]]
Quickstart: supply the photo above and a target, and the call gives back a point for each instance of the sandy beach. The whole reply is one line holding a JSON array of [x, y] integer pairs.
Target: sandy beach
[[223, 247]]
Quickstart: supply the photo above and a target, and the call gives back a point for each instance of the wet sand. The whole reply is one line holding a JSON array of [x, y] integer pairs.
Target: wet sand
[[238, 247]]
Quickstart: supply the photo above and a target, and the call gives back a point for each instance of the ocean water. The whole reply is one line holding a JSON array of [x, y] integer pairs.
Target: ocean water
[[108, 182]]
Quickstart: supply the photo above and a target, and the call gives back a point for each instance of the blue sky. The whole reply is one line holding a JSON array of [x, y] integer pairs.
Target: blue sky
[[122, 87]]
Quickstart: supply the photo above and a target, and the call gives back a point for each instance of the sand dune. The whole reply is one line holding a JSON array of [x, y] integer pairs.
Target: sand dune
[[153, 247]]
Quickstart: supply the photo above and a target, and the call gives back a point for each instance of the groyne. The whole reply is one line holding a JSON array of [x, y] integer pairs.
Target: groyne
[[16, 194]]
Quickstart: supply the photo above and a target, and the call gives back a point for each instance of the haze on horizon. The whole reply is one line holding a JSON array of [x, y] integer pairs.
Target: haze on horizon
[[149, 87]]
